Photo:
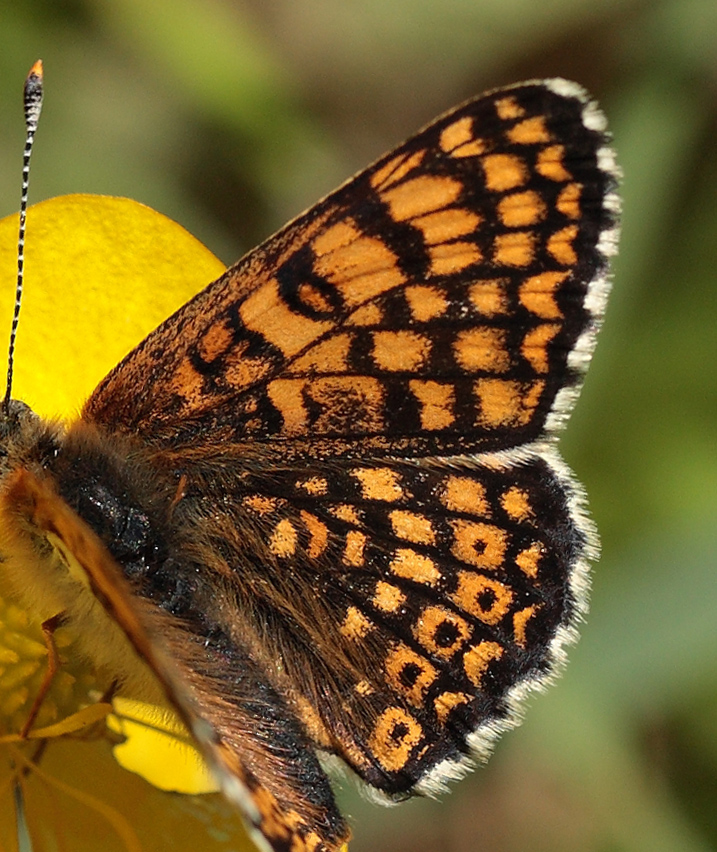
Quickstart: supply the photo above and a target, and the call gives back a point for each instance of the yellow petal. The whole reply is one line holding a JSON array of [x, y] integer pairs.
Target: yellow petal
[[158, 748], [100, 274]]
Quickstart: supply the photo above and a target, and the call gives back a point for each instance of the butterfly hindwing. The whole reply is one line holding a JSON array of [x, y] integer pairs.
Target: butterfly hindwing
[[433, 591]]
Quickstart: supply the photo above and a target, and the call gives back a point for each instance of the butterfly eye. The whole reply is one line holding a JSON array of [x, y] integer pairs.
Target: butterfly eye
[[13, 419]]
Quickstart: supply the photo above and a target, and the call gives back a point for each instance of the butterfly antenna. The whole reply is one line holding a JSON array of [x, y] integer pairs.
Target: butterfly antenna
[[33, 104]]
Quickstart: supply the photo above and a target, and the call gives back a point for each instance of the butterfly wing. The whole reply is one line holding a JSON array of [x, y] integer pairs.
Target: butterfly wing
[[412, 605], [444, 301], [363, 411]]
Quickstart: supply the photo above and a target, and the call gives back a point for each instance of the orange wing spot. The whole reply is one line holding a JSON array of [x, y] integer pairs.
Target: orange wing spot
[[528, 560], [521, 209], [441, 632], [187, 383], [312, 721], [508, 108], [283, 539], [503, 402], [414, 566], [317, 486], [568, 202], [457, 139], [482, 349], [313, 298], [425, 303], [314, 843], [446, 701], [388, 597], [537, 294], [437, 400], [396, 169], [380, 176], [489, 296], [249, 404], [259, 504], [482, 545], [421, 195], [356, 625], [379, 483], [369, 314], [449, 258], [286, 395], [550, 164], [520, 622], [328, 356], [448, 224], [486, 599], [347, 403], [394, 737], [471, 149], [465, 495], [215, 341], [345, 512], [456, 134], [318, 534], [477, 660], [354, 550], [360, 266], [409, 673], [241, 372], [335, 237], [535, 346], [560, 245], [504, 171], [516, 248], [363, 687], [412, 527], [400, 350], [532, 131], [265, 312], [516, 504]]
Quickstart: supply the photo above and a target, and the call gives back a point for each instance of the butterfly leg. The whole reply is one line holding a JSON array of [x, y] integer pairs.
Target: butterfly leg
[[53, 666]]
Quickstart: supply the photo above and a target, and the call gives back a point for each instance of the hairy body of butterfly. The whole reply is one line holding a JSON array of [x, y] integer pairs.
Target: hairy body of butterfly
[[321, 505]]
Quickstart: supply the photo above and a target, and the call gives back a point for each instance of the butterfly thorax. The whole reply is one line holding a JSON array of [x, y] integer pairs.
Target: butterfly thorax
[[80, 470]]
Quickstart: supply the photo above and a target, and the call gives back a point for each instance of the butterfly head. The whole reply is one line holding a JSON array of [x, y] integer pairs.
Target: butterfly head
[[14, 417], [19, 429]]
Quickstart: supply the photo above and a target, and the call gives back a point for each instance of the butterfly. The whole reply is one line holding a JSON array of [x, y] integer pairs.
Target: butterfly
[[321, 508]]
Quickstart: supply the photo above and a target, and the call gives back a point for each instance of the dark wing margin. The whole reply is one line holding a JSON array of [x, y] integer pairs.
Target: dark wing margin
[[443, 301]]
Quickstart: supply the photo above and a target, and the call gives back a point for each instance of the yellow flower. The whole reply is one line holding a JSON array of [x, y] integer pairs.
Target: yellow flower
[[100, 274]]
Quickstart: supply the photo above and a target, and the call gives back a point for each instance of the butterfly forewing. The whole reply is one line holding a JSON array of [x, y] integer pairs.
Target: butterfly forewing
[[370, 538], [429, 306]]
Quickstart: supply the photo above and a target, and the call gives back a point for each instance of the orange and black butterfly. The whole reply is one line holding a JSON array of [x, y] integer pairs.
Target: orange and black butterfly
[[322, 505]]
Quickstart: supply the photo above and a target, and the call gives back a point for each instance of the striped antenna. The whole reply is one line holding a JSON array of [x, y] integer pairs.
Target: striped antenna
[[33, 105]]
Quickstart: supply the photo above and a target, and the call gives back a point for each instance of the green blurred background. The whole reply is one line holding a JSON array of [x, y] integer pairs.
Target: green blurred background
[[231, 117]]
